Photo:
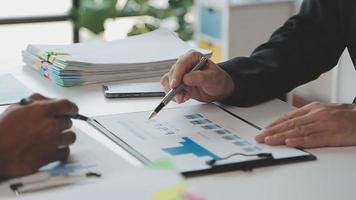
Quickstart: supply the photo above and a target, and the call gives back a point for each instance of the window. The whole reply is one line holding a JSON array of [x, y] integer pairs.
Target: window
[[15, 37]]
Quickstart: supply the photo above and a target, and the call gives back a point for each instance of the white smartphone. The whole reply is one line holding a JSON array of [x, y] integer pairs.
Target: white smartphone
[[127, 90]]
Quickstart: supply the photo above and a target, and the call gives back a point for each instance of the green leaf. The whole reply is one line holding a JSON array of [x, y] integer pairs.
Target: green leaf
[[180, 3], [92, 14]]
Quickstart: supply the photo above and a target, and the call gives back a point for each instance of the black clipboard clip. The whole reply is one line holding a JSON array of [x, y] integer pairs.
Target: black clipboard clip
[[212, 162]]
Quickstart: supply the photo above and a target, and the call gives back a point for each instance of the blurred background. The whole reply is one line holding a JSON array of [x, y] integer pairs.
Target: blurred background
[[228, 27]]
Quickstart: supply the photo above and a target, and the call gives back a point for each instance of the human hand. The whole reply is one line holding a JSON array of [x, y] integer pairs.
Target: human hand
[[34, 135], [312, 126], [206, 85]]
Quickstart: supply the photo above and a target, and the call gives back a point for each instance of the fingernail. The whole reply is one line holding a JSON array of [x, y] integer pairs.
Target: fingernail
[[173, 82], [259, 138], [268, 139], [62, 146]]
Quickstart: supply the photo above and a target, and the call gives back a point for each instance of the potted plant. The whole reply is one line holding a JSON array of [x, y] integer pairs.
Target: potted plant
[[92, 14]]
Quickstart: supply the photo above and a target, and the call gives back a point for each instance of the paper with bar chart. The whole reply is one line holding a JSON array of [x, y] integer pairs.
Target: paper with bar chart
[[189, 136]]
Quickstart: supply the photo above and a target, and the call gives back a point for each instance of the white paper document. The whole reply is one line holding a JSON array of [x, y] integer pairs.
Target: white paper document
[[188, 136], [157, 46], [119, 180], [130, 184], [12, 90]]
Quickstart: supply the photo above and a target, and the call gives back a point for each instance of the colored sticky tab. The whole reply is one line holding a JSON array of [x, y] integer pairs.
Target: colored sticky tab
[[51, 58], [161, 164], [175, 192], [54, 54]]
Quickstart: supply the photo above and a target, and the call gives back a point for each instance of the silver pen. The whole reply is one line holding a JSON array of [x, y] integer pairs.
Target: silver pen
[[172, 93], [44, 180]]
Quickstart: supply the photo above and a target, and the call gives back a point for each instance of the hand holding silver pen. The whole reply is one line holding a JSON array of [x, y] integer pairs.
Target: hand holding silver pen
[[210, 83], [172, 93]]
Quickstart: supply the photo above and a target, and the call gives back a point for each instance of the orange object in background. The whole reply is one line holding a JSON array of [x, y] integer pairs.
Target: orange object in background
[[216, 49]]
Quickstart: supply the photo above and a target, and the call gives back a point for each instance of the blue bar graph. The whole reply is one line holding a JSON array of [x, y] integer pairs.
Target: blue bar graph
[[190, 147]]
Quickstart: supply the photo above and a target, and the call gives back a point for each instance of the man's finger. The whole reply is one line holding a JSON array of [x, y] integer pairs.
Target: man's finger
[[58, 155], [65, 139], [170, 76], [300, 131], [54, 126], [61, 107], [311, 141], [187, 93], [165, 81], [33, 159], [184, 65], [18, 168], [179, 98], [63, 123], [38, 97], [284, 126], [290, 115]]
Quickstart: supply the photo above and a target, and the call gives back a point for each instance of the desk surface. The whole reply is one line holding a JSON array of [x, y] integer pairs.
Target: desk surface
[[330, 177]]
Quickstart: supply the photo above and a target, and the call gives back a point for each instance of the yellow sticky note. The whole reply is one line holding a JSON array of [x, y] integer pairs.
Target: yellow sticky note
[[215, 48], [175, 192]]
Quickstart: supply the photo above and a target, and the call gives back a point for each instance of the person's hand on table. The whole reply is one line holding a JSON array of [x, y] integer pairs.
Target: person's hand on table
[[312, 126], [34, 135], [206, 85]]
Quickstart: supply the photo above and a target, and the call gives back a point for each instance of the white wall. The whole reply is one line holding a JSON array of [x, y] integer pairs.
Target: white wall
[[318, 90], [346, 80], [337, 85]]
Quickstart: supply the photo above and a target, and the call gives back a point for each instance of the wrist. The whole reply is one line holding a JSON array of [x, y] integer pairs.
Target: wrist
[[228, 88]]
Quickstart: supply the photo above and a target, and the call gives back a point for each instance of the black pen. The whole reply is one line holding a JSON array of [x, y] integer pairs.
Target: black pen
[[81, 117], [26, 101], [171, 94]]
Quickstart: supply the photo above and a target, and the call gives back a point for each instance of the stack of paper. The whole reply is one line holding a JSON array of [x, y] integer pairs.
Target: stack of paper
[[147, 55]]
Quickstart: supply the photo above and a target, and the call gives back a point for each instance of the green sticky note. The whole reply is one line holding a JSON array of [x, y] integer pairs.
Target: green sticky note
[[161, 164]]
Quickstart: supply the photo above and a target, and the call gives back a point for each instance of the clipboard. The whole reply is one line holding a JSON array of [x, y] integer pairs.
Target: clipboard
[[297, 155]]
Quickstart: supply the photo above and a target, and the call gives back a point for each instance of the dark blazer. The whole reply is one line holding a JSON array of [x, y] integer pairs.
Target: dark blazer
[[306, 46]]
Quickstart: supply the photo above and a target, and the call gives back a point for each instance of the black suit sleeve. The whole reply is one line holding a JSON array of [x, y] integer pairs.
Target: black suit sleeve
[[306, 46]]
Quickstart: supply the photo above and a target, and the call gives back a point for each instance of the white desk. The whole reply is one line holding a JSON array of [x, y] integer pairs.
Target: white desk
[[331, 177]]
